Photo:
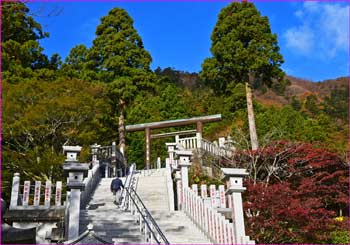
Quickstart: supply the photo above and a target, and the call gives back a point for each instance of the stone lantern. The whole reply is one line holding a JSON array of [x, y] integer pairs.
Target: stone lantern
[[94, 153], [234, 180], [76, 172], [171, 150], [184, 163], [229, 146]]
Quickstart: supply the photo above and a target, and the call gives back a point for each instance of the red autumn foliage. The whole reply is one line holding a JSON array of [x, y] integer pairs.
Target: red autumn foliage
[[302, 196]]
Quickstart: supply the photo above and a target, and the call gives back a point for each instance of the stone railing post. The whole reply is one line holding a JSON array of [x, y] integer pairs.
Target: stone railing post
[[114, 159], [171, 151], [199, 140], [94, 153], [76, 172], [159, 163], [179, 190], [184, 157], [14, 191], [234, 179], [177, 139]]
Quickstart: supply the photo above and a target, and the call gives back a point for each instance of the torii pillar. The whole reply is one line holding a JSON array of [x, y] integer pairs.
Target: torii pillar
[[148, 147]]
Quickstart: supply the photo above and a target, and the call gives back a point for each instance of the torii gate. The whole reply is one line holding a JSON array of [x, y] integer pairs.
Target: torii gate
[[166, 124]]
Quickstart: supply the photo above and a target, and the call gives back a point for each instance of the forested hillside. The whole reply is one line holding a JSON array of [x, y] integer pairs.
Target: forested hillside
[[298, 186]]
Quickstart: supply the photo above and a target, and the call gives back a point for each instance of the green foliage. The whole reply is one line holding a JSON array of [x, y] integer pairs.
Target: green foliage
[[199, 177], [289, 124], [340, 237], [117, 50], [182, 79], [280, 86], [311, 104], [117, 57], [236, 98], [295, 103], [17, 25], [39, 117], [242, 46], [336, 105], [164, 104], [75, 65], [22, 56], [169, 73]]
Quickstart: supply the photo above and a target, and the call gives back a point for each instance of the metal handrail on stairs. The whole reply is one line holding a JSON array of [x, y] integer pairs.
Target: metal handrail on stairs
[[156, 233], [127, 183]]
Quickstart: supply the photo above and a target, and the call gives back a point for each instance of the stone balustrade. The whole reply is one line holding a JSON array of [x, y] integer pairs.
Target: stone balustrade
[[208, 218], [188, 143], [90, 182], [221, 148], [215, 213], [35, 196]]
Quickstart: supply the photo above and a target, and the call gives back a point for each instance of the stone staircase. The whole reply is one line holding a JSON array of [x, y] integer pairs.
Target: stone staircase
[[176, 226], [152, 189], [120, 227], [108, 222]]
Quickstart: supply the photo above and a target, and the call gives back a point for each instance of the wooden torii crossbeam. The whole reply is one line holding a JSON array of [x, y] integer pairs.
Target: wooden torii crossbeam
[[166, 124], [170, 134]]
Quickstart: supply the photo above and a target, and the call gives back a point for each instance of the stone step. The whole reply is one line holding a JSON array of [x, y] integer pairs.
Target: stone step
[[151, 179], [93, 218], [122, 238], [153, 191], [152, 172], [178, 228], [121, 227], [109, 222], [117, 228]]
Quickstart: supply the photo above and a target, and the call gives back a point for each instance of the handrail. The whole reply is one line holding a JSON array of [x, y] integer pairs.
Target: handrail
[[127, 182], [128, 187], [149, 216]]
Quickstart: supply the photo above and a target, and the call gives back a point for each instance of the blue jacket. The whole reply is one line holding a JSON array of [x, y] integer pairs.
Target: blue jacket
[[116, 184]]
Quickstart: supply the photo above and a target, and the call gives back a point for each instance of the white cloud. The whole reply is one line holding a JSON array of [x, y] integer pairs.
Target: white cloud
[[300, 38], [299, 14], [323, 31], [335, 21], [311, 6]]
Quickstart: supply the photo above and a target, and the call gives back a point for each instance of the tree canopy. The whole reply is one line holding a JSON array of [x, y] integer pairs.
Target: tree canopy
[[244, 51], [117, 57], [117, 50], [22, 55], [242, 46]]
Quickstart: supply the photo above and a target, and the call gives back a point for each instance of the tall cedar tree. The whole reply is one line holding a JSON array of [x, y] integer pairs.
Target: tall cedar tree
[[244, 51], [76, 62], [21, 52], [119, 58]]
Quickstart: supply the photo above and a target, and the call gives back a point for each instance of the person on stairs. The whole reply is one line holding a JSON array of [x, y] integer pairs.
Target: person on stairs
[[117, 190]]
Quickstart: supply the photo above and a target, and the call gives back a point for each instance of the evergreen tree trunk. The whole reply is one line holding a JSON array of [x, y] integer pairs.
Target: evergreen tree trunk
[[251, 119], [122, 131]]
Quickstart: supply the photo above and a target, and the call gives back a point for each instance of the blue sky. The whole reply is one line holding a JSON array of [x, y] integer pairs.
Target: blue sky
[[313, 36]]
